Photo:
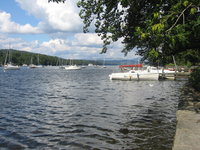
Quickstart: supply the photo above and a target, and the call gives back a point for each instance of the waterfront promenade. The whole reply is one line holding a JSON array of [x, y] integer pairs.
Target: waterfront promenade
[[187, 131], [187, 135]]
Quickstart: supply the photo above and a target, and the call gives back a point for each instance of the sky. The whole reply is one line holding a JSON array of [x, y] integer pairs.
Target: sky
[[52, 29]]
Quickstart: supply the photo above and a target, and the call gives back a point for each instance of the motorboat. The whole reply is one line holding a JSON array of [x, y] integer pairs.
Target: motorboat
[[135, 75], [137, 72], [72, 67]]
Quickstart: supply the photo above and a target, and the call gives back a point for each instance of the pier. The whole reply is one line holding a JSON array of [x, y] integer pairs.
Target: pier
[[174, 76]]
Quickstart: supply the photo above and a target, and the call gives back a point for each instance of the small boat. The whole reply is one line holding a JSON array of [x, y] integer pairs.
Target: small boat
[[103, 66], [11, 67], [72, 67], [83, 66], [24, 65], [90, 65], [39, 66], [62, 67], [32, 66]]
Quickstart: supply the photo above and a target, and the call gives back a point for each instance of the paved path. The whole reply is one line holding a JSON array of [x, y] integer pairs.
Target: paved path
[[187, 131]]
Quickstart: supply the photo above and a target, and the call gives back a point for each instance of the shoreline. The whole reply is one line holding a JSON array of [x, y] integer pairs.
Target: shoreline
[[187, 134]]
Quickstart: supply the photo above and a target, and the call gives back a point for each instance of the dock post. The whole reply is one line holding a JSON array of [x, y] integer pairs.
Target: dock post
[[175, 67]]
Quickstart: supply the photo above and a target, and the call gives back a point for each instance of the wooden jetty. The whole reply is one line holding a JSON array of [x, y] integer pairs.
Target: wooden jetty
[[174, 76]]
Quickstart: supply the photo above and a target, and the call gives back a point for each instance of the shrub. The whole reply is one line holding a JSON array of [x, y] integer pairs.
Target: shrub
[[194, 79]]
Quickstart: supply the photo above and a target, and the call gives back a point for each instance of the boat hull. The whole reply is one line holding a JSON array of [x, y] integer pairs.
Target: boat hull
[[72, 68], [11, 67], [135, 76]]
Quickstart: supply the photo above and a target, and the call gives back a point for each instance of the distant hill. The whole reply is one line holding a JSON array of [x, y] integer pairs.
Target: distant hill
[[21, 57], [121, 62], [18, 57]]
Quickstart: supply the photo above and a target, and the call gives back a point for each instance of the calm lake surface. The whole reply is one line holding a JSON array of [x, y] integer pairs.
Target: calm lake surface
[[50, 108]]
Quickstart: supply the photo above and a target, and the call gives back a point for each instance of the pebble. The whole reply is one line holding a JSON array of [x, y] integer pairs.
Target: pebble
[[197, 105]]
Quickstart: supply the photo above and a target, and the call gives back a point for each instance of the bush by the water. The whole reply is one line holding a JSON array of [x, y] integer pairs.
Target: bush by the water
[[195, 79]]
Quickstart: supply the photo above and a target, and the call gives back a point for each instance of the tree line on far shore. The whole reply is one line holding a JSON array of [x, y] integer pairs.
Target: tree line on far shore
[[21, 57], [187, 58]]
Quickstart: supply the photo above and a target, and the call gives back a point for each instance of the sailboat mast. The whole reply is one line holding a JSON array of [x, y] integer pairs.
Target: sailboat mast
[[6, 58], [38, 59], [9, 55], [31, 60]]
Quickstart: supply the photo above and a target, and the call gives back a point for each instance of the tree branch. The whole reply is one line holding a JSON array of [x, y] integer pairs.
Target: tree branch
[[182, 13]]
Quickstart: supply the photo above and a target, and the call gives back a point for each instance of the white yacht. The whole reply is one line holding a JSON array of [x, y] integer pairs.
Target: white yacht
[[137, 74]]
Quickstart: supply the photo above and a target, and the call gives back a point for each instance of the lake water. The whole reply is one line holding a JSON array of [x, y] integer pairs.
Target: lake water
[[50, 108]]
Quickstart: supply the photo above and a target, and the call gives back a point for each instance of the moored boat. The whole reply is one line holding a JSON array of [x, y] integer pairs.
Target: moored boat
[[32, 66], [11, 67], [134, 75], [72, 67]]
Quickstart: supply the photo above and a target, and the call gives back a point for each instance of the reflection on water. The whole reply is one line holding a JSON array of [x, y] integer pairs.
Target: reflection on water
[[48, 108]]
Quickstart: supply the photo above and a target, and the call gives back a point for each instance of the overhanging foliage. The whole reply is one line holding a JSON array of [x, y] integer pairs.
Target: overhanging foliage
[[162, 27]]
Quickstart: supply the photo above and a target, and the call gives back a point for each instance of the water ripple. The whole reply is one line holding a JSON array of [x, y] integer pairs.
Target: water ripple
[[57, 109]]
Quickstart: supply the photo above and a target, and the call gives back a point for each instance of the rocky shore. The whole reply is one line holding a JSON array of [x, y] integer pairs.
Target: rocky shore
[[190, 99], [187, 135]]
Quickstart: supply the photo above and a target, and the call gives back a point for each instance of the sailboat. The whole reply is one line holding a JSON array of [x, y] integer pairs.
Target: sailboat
[[72, 67], [33, 65], [9, 65], [38, 59], [60, 64], [104, 64]]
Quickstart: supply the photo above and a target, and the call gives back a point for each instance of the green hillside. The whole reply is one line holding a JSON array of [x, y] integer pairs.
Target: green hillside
[[21, 57]]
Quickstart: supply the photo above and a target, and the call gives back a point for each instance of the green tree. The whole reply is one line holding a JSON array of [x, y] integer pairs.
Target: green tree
[[194, 79], [189, 58], [161, 27]]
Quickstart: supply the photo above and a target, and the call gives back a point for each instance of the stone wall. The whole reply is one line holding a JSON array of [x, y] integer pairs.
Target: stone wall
[[188, 121]]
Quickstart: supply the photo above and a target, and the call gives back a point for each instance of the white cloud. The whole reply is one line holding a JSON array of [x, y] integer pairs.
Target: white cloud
[[8, 26], [54, 17], [64, 48], [62, 23], [88, 39], [56, 45]]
